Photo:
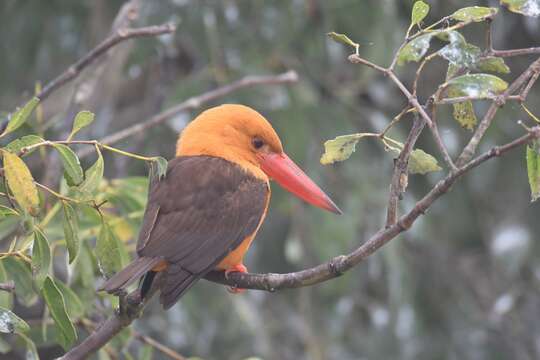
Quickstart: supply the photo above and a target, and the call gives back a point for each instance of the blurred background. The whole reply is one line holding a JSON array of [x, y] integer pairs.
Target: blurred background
[[463, 283]]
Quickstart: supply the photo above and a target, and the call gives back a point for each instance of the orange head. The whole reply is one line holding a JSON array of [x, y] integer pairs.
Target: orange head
[[241, 135]]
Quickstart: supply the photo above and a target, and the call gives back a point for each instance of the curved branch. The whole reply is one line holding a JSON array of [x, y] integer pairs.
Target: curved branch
[[340, 264], [193, 103], [120, 35]]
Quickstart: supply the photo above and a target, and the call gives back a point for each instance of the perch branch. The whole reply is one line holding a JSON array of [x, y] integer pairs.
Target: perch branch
[[340, 264], [131, 305]]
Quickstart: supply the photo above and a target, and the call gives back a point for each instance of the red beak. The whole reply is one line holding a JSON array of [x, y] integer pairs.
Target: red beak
[[287, 174]]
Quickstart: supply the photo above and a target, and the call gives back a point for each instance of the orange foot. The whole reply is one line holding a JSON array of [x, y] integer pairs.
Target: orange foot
[[236, 268]]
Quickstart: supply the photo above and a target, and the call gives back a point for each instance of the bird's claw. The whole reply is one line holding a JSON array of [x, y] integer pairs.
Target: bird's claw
[[236, 268]]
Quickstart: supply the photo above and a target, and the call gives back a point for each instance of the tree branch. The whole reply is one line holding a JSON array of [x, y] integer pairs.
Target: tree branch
[[413, 101], [400, 176], [340, 264], [194, 103], [120, 35], [8, 286], [485, 123]]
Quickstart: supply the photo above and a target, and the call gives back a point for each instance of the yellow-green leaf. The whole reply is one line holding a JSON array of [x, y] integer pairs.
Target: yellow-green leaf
[[159, 167], [6, 211], [415, 49], [41, 258], [82, 119], [16, 145], [476, 86], [107, 251], [19, 272], [74, 306], [57, 307], [6, 297], [71, 231], [419, 12], [340, 148], [533, 169], [20, 116], [72, 167], [463, 111], [21, 183], [93, 175], [493, 64], [420, 162], [474, 13], [524, 7], [10, 323], [344, 39]]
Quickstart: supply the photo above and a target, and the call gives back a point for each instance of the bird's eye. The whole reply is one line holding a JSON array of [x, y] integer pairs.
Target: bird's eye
[[257, 143]]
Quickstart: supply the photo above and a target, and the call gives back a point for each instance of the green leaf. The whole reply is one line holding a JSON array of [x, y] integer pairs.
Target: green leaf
[[21, 183], [344, 39], [340, 148], [419, 12], [107, 251], [11, 323], [463, 112], [533, 168], [71, 231], [493, 64], [474, 13], [6, 211], [158, 167], [72, 167], [20, 116], [524, 7], [74, 306], [5, 347], [420, 162], [41, 257], [415, 49], [82, 119], [19, 272], [31, 349], [476, 86], [93, 175], [6, 297], [16, 145], [57, 307], [84, 267], [459, 52]]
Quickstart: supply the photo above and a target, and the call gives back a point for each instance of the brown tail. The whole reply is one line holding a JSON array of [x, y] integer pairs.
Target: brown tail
[[129, 274]]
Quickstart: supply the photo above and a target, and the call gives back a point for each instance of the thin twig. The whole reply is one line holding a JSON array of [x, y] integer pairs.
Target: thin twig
[[122, 34], [8, 286], [400, 176], [355, 59], [194, 103], [515, 52], [485, 123], [460, 99], [159, 346]]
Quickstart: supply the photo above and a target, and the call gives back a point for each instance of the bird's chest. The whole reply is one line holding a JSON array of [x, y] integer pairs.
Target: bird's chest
[[236, 256]]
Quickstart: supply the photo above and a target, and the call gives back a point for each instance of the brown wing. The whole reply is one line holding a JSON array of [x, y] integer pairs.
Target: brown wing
[[197, 214]]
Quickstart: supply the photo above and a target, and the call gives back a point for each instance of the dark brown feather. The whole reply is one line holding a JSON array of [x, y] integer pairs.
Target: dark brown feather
[[196, 215]]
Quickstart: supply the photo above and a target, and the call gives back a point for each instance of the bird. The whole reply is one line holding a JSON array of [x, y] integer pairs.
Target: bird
[[205, 212]]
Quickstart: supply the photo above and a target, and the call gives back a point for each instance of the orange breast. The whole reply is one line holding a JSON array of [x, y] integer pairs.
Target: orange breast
[[236, 256]]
